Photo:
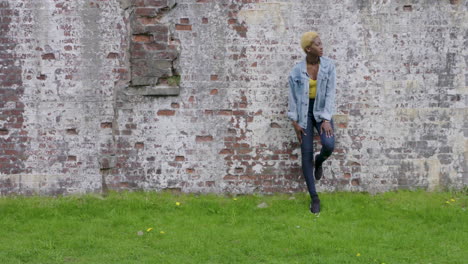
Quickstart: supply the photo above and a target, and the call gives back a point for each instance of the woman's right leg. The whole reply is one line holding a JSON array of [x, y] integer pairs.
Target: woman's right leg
[[307, 152]]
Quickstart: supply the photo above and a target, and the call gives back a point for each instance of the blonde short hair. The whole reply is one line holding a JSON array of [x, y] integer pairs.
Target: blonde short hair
[[307, 38]]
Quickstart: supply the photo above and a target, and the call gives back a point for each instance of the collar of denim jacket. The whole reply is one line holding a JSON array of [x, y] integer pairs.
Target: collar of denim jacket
[[324, 63]]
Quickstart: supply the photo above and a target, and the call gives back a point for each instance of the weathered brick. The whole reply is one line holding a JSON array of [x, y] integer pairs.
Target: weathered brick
[[207, 138], [398, 123], [166, 112], [184, 20], [142, 38], [72, 131], [106, 125], [48, 56], [183, 27], [146, 11]]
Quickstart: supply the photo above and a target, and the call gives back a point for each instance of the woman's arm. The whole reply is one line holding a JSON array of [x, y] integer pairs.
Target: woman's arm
[[330, 94], [292, 101], [329, 103], [292, 111]]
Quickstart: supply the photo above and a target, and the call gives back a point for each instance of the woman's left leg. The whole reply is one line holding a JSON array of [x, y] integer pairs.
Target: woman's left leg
[[328, 145]]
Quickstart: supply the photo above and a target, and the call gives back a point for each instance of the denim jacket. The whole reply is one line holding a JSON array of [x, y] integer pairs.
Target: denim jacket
[[299, 92]]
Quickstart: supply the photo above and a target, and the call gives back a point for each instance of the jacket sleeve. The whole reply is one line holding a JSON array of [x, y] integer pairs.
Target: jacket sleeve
[[292, 101], [330, 95]]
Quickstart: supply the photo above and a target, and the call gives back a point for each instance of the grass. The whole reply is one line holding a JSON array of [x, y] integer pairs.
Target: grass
[[394, 227]]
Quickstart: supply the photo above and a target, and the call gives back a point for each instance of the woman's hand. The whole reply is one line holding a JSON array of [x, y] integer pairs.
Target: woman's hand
[[327, 128], [299, 131]]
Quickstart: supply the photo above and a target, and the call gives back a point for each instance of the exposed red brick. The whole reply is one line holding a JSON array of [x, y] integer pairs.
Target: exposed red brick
[[355, 182], [214, 77], [239, 170], [408, 8], [347, 175], [106, 125], [231, 177], [142, 38], [41, 77], [184, 21], [203, 138], [139, 145], [183, 27], [71, 158], [157, 3], [204, 20], [239, 113], [241, 30], [226, 151], [166, 112], [72, 131], [139, 3], [190, 170], [146, 11], [179, 158], [113, 55], [224, 112], [243, 151], [175, 105], [214, 92], [48, 56]]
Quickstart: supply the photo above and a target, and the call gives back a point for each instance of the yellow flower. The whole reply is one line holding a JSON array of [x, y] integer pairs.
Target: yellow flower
[[162, 232], [235, 199], [447, 202], [453, 200], [177, 203], [358, 254], [149, 229]]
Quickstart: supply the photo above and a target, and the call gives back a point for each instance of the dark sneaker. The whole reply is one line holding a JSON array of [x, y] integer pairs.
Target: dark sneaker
[[318, 173], [315, 206]]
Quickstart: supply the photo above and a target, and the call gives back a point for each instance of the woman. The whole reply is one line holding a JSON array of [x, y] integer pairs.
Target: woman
[[311, 103]]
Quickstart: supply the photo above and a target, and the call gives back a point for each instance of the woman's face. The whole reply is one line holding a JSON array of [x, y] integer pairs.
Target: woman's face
[[315, 48]]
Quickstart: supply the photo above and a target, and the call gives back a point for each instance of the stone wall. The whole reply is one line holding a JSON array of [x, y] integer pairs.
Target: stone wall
[[91, 97]]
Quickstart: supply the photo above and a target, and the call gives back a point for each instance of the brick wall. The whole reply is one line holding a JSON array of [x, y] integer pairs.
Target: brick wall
[[66, 58], [75, 119], [13, 136]]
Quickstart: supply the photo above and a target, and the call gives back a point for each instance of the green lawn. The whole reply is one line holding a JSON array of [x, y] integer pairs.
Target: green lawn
[[394, 227]]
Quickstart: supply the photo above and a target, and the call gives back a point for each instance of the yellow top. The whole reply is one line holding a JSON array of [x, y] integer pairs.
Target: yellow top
[[312, 88]]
